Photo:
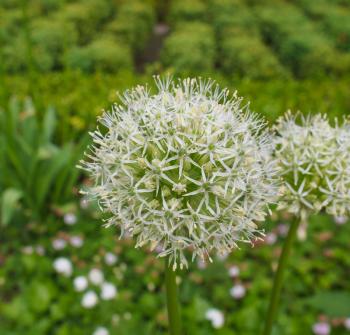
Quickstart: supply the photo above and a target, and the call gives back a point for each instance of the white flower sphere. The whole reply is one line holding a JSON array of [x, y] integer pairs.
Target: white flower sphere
[[216, 317], [63, 266], [80, 283], [237, 291], [108, 291], [96, 276], [110, 258], [89, 300], [315, 162], [185, 168]]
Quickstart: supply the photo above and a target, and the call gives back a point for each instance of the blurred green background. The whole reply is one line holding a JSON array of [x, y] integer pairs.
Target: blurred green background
[[61, 64]]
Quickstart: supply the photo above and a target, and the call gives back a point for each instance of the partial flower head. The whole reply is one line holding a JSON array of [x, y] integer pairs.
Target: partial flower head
[[188, 167], [315, 162]]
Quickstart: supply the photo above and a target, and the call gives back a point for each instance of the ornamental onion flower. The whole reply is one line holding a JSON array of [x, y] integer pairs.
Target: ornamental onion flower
[[314, 159], [188, 167], [315, 162]]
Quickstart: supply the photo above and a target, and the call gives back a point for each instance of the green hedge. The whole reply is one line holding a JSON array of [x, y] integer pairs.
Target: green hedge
[[227, 14], [246, 56], [333, 19], [52, 38], [86, 16], [337, 23], [190, 49], [298, 43], [102, 54], [11, 24], [15, 55], [133, 24], [182, 11]]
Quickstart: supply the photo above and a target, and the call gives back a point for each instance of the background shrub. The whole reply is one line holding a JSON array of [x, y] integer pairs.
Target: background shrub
[[246, 56], [187, 11], [86, 16], [51, 38], [133, 23], [190, 49], [103, 54], [298, 44]]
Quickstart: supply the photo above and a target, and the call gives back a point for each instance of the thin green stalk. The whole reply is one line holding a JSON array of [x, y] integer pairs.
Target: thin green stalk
[[172, 300], [278, 280]]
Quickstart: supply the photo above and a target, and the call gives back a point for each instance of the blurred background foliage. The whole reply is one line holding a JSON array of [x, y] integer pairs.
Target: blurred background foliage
[[61, 63]]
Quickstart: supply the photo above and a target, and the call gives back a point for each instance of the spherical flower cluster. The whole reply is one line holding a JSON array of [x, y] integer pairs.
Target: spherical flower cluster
[[216, 317], [185, 168], [315, 162]]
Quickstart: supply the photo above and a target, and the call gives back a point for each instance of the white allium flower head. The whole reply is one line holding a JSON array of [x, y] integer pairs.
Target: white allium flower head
[[188, 167], [315, 161], [80, 283], [89, 300], [96, 276], [108, 291], [63, 266], [216, 317]]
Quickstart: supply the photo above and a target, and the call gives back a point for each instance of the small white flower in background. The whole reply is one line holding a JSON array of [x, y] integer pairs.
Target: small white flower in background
[[233, 271], [89, 300], [96, 276], [189, 167], [101, 331], [70, 219], [80, 283], [321, 328], [108, 291], [76, 241], [340, 220], [59, 243], [216, 317], [347, 323], [314, 160], [238, 291], [63, 266], [270, 238], [110, 258]]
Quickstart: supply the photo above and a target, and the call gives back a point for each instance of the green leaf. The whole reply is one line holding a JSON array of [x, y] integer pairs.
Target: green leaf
[[49, 125], [332, 303], [9, 203]]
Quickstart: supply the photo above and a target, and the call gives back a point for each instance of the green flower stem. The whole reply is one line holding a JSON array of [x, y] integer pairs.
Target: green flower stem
[[172, 300], [278, 280]]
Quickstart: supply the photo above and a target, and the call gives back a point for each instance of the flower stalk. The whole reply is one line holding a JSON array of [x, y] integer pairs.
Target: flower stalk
[[173, 306], [278, 280]]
